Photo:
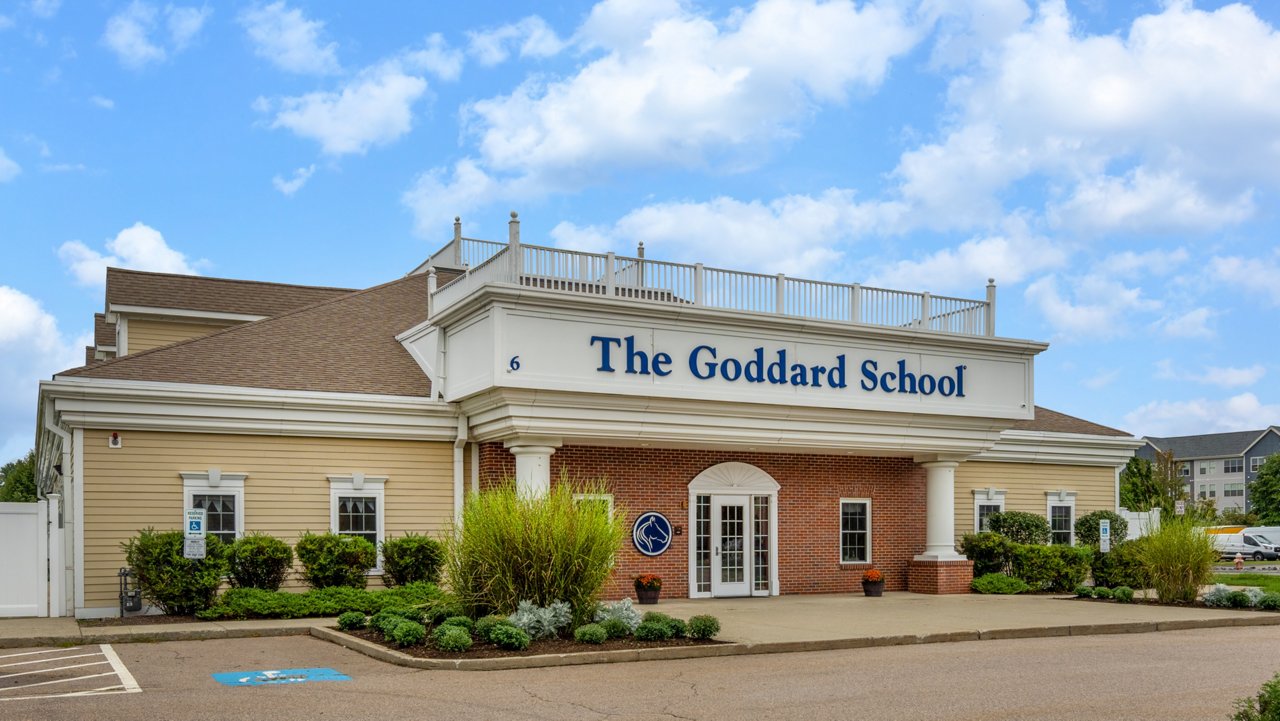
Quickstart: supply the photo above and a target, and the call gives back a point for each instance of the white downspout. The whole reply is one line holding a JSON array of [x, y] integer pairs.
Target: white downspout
[[459, 446], [68, 515]]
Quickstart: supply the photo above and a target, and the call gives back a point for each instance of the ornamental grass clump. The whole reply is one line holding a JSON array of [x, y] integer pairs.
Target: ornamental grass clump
[[1178, 559], [511, 548]]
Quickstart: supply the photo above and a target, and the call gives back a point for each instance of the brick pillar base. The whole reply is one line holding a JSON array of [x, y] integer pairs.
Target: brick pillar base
[[939, 576]]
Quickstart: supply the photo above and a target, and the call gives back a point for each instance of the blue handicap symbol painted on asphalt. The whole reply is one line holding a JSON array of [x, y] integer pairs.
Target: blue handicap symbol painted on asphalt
[[279, 677]]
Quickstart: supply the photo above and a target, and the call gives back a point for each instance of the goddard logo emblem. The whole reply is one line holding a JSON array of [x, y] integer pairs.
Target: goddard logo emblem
[[651, 533]]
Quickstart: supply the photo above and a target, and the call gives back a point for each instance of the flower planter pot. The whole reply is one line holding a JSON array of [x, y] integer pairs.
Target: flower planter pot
[[647, 596], [873, 588]]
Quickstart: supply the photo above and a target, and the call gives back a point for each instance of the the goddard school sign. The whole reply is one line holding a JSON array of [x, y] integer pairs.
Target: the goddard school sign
[[705, 362]]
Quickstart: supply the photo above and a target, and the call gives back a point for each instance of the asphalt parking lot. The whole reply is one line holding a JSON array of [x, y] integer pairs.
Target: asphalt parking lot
[[48, 673], [1126, 676]]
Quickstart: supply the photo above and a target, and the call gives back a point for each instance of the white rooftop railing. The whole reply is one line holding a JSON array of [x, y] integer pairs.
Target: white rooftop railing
[[654, 281]]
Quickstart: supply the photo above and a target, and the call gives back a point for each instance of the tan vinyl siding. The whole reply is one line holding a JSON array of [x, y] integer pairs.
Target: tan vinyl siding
[[1025, 485], [286, 491], [145, 334]]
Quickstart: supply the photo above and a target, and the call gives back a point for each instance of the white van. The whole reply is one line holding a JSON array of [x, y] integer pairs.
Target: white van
[[1255, 546]]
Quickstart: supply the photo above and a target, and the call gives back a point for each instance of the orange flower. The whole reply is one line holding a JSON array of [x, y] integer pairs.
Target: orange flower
[[648, 582], [872, 576]]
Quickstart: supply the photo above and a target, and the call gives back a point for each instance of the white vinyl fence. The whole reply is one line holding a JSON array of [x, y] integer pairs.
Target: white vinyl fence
[[24, 557], [1141, 523]]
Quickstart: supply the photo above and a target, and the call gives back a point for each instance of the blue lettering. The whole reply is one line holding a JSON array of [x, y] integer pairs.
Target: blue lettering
[[886, 379], [817, 375], [731, 375], [906, 381], [634, 355], [799, 375], [928, 384], [661, 361], [960, 381], [835, 377], [869, 369], [947, 386], [604, 342], [711, 364]]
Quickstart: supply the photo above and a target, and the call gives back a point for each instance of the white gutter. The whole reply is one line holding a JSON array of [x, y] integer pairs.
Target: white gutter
[[459, 446]]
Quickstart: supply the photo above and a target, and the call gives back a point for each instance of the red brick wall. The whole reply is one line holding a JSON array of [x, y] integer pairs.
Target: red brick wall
[[645, 479], [940, 576]]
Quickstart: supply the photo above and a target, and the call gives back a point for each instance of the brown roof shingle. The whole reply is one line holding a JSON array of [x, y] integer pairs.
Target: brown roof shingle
[[104, 333], [343, 345], [1054, 422], [216, 295]]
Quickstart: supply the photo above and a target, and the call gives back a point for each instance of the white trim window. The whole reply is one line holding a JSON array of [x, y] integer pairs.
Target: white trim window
[[605, 498], [221, 495], [356, 508], [986, 501], [1184, 469], [855, 530], [1208, 468], [1060, 509], [1233, 465], [1233, 490], [1256, 462]]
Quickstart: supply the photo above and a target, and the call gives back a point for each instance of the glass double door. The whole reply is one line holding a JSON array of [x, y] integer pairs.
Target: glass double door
[[730, 532]]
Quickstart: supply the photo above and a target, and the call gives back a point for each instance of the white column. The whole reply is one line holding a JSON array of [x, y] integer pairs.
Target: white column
[[533, 464], [940, 534]]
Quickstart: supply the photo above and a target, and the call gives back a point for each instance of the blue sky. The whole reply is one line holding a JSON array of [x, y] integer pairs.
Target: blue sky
[[1113, 165]]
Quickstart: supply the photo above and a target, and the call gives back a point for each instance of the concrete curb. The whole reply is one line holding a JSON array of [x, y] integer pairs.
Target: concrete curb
[[153, 635], [383, 653]]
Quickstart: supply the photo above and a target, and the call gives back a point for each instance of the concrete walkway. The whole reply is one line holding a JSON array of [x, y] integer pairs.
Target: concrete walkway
[[840, 620]]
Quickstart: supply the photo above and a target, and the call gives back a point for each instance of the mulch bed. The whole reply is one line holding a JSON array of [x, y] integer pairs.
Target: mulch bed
[[545, 646], [143, 620]]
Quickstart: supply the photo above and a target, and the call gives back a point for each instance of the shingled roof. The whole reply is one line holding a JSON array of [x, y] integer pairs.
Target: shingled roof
[[104, 333], [1208, 445], [343, 345], [1052, 421], [217, 295]]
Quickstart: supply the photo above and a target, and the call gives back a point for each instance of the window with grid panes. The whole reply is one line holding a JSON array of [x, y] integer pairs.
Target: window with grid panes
[[220, 514], [358, 516], [855, 531]]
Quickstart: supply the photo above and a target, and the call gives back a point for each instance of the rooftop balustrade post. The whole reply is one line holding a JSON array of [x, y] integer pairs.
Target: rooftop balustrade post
[[855, 303], [457, 240], [609, 282], [513, 243], [431, 279], [782, 294], [698, 272], [991, 307], [926, 312]]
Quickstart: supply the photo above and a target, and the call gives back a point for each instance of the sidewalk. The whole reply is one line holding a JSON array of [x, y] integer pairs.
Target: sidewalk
[[783, 622]]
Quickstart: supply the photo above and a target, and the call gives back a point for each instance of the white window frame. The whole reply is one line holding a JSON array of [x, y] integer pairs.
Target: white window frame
[[986, 497], [1184, 470], [840, 532], [1232, 460], [606, 497], [360, 485], [1255, 462], [1212, 467], [1060, 498], [1239, 489], [215, 482]]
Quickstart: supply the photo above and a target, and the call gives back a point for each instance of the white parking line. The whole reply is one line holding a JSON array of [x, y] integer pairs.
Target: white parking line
[[50, 659], [37, 653], [51, 670], [61, 680], [126, 678], [127, 683]]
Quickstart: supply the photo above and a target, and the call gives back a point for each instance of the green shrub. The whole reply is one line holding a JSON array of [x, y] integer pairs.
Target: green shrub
[[1088, 531], [1051, 568], [1269, 602], [407, 633], [998, 583], [990, 552], [330, 559], [512, 548], [259, 561], [460, 622], [1102, 592], [452, 638], [540, 622], [622, 610], [486, 624], [333, 601], [1123, 594], [411, 558], [1122, 566], [1217, 597], [1084, 592], [1265, 707], [352, 621], [1178, 559], [678, 628], [616, 627], [704, 627], [653, 631], [1020, 527], [1238, 599], [509, 637], [655, 617], [383, 621], [590, 633], [176, 585], [444, 607]]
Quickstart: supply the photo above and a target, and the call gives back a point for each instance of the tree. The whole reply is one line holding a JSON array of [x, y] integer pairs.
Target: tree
[[1264, 492], [18, 479], [1145, 485]]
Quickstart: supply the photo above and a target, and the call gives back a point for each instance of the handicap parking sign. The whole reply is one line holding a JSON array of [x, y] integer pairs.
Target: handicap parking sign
[[194, 522]]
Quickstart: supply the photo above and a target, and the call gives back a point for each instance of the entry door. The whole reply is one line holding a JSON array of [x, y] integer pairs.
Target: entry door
[[730, 560]]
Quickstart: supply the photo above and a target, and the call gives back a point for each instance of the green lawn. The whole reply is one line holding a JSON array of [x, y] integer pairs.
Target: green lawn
[[1265, 581]]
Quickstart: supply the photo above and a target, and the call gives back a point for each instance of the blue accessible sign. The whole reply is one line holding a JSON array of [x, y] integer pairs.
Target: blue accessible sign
[[280, 677], [651, 533]]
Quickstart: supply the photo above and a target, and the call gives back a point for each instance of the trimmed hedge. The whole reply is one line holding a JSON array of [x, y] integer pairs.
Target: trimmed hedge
[[590, 633], [998, 583], [255, 603], [1087, 528], [330, 559], [1122, 566], [703, 627], [410, 559], [1020, 527], [176, 585], [1051, 568], [990, 552], [260, 561]]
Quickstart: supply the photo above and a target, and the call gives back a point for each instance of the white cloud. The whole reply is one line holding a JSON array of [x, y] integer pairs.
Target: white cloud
[[63, 167], [44, 8], [1192, 324], [290, 41], [1225, 377], [6, 22], [1151, 262], [1101, 379], [9, 169], [965, 30], [1009, 258], [670, 88], [101, 102], [294, 184], [1050, 104], [533, 37], [1202, 415], [373, 108], [31, 348], [129, 32], [437, 58], [138, 247], [1098, 307], [1254, 275]]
